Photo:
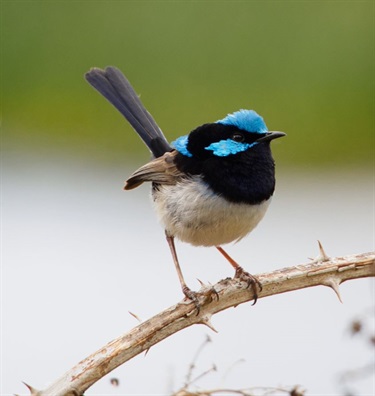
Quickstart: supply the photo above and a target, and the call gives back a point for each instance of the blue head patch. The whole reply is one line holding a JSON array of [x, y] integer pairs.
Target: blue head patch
[[247, 120], [180, 145], [227, 147]]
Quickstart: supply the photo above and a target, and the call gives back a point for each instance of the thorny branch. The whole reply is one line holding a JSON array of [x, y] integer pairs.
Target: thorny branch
[[231, 292]]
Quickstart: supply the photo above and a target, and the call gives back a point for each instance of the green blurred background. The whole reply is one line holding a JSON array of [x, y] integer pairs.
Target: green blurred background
[[306, 66]]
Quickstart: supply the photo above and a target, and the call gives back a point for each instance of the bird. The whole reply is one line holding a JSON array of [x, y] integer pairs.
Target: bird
[[210, 187]]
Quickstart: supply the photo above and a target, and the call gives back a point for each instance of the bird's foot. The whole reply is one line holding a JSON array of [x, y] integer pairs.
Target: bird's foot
[[251, 280], [203, 295]]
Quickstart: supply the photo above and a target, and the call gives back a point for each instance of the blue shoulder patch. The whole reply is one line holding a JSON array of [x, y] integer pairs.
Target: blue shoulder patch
[[180, 145], [227, 147], [247, 120]]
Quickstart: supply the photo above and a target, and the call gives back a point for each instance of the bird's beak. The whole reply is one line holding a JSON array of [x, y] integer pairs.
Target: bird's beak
[[270, 136]]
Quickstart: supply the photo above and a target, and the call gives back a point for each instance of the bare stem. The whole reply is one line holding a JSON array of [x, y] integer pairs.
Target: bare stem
[[231, 292]]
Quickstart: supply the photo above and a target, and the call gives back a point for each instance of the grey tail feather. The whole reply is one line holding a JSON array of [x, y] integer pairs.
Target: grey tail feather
[[114, 86]]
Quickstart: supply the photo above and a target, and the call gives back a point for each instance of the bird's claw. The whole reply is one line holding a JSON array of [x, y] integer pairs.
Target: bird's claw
[[194, 296], [251, 280]]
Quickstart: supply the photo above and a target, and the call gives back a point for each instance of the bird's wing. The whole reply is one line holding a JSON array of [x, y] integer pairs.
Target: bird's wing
[[161, 170], [114, 86]]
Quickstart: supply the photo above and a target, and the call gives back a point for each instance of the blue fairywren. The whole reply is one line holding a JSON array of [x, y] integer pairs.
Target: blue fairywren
[[210, 187]]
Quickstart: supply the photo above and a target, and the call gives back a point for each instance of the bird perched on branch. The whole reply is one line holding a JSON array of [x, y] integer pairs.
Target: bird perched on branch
[[210, 187]]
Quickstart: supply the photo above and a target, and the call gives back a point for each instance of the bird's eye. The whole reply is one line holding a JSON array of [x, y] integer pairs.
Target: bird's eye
[[238, 137]]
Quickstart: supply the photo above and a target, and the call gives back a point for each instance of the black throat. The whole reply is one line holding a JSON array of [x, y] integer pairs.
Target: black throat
[[246, 177]]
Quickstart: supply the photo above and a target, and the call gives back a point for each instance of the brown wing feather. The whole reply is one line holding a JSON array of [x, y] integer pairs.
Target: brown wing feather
[[160, 170]]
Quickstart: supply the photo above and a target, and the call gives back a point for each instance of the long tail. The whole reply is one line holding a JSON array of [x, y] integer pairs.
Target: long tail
[[114, 86]]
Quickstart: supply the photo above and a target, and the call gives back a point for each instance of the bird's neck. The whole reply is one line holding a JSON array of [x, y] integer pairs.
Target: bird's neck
[[248, 177]]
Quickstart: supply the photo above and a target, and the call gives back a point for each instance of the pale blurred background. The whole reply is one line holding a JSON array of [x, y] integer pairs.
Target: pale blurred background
[[78, 253]]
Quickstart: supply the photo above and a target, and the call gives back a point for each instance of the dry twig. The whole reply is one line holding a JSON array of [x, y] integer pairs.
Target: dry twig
[[231, 292]]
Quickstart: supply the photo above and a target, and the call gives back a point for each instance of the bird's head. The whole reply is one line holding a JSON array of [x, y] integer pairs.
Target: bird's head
[[236, 133]]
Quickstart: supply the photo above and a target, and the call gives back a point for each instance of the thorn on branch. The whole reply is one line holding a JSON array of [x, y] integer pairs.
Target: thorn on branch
[[32, 390], [206, 320], [322, 256], [135, 316], [334, 284], [201, 283]]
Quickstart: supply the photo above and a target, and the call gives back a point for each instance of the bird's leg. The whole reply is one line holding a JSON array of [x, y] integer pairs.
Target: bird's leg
[[185, 289], [241, 274]]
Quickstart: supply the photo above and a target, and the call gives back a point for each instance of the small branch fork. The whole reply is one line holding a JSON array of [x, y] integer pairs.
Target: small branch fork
[[324, 271]]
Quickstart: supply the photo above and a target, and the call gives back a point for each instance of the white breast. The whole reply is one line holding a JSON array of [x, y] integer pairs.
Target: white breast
[[191, 212]]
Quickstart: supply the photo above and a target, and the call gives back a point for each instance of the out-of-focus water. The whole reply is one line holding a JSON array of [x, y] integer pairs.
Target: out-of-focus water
[[78, 253]]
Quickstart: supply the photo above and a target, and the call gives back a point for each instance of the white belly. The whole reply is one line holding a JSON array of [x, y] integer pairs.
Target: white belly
[[191, 212]]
